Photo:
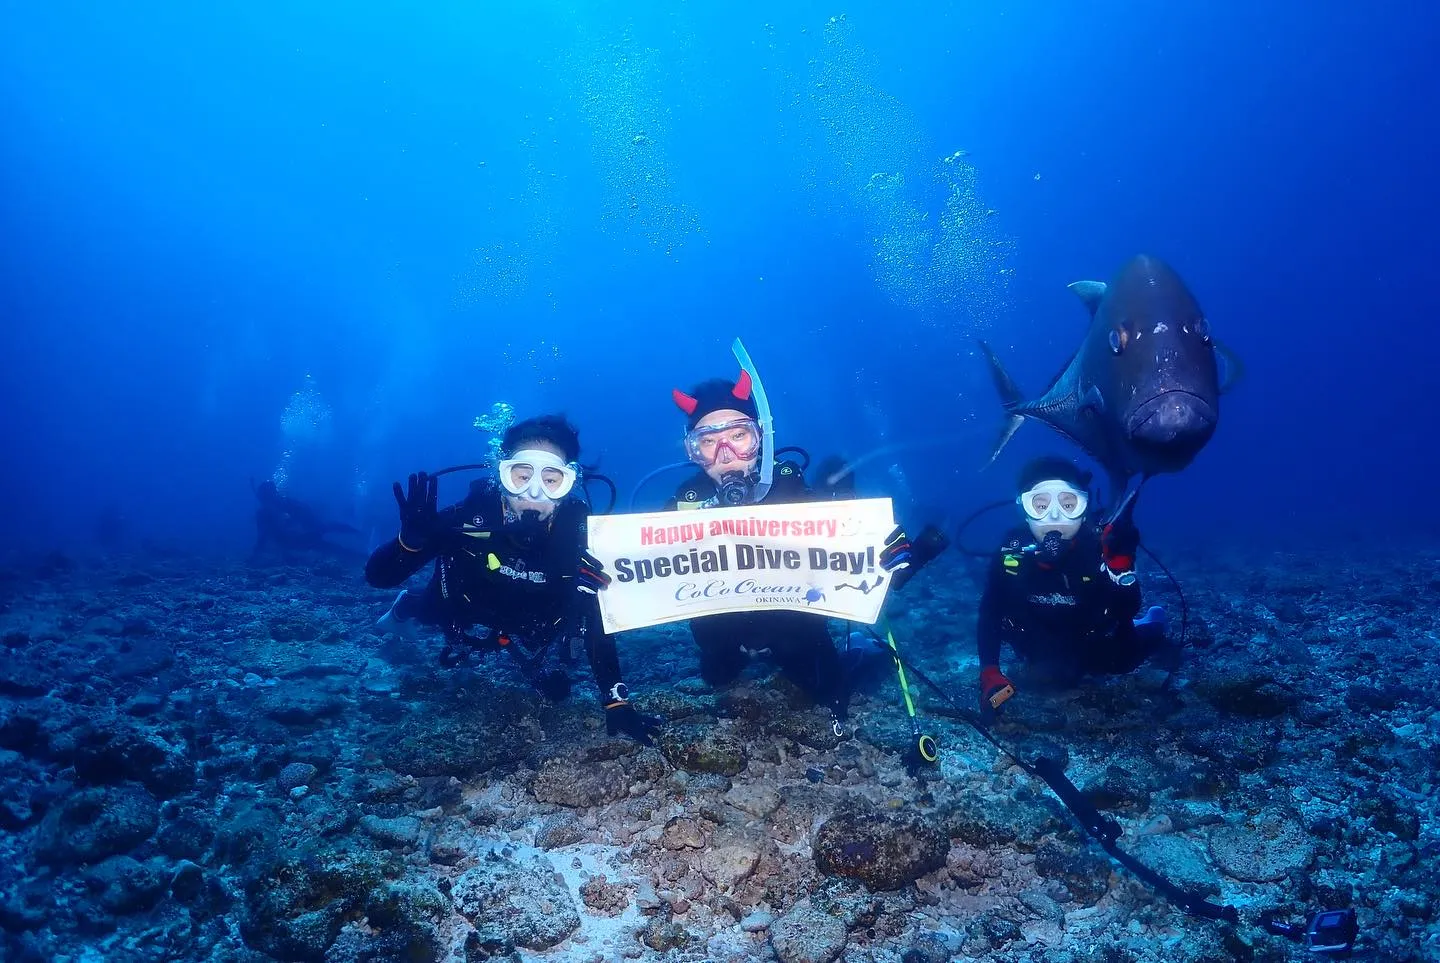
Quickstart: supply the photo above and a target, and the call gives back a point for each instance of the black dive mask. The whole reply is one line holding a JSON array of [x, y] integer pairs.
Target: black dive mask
[[735, 488]]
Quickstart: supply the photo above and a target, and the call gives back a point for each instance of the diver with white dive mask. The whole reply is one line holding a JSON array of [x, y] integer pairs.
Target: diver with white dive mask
[[1062, 591], [511, 557]]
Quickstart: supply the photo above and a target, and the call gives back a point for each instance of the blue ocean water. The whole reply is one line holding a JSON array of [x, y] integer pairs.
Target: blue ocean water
[[327, 245], [407, 216]]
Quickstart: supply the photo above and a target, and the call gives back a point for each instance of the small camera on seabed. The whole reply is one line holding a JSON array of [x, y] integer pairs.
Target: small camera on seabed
[[1329, 932]]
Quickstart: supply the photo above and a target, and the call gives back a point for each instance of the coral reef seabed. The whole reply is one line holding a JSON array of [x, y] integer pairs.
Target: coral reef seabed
[[204, 760]]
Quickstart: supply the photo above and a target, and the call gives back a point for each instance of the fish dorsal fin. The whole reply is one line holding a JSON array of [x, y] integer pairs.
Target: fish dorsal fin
[[1232, 369], [1091, 292]]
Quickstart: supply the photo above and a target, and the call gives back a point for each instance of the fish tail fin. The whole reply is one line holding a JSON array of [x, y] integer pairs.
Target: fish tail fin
[[1010, 397]]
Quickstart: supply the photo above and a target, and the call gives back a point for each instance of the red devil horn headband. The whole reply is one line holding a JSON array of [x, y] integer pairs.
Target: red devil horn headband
[[742, 387], [683, 401]]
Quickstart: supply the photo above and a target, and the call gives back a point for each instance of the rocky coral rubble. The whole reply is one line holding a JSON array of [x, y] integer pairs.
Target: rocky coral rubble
[[212, 762]]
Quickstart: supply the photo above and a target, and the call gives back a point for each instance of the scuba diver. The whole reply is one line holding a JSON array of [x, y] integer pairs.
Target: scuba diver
[[511, 557], [1062, 591], [729, 437], [291, 525], [836, 479]]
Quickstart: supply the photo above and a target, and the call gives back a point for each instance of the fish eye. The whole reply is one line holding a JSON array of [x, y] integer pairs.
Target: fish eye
[[1202, 328], [1117, 340]]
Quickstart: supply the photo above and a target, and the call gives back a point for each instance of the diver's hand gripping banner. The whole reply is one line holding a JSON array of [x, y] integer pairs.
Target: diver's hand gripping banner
[[818, 557]]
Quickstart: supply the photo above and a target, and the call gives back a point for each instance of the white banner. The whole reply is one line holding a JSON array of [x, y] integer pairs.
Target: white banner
[[820, 557]]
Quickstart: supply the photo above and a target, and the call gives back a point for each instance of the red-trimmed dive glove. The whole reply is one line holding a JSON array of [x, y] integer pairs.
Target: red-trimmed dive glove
[[621, 717], [897, 552], [1118, 544], [994, 688], [592, 577]]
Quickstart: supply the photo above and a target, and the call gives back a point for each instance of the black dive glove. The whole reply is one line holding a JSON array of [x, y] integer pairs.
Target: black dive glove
[[902, 557], [897, 552], [419, 518], [592, 577], [621, 717], [927, 546]]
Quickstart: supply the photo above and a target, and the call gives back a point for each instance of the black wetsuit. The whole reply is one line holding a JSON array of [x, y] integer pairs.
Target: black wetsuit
[[1070, 616], [291, 525], [799, 643], [525, 593]]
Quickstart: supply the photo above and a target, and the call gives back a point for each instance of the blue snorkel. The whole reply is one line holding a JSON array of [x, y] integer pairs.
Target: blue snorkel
[[767, 425]]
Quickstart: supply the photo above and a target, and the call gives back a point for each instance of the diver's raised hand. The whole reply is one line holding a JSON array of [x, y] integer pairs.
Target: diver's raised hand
[[419, 516]]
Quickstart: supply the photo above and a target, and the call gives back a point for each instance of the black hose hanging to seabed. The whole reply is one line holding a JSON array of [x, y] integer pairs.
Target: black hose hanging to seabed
[[1096, 824], [1328, 932]]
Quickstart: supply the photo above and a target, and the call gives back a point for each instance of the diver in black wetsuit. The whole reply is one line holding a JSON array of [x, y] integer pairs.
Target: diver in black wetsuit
[[511, 557], [725, 439], [836, 479], [1062, 591], [290, 525]]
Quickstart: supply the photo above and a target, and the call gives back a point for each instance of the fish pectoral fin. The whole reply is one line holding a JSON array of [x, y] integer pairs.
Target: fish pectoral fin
[[1232, 369], [1120, 491], [1007, 431], [1091, 292], [1092, 400], [1125, 495]]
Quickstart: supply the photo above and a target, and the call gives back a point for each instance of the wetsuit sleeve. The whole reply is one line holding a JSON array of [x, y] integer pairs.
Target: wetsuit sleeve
[[987, 628], [1124, 600], [604, 656], [392, 563]]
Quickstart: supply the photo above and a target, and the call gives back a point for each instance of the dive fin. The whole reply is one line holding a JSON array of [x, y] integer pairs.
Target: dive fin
[[1091, 292], [1232, 369], [1010, 397]]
